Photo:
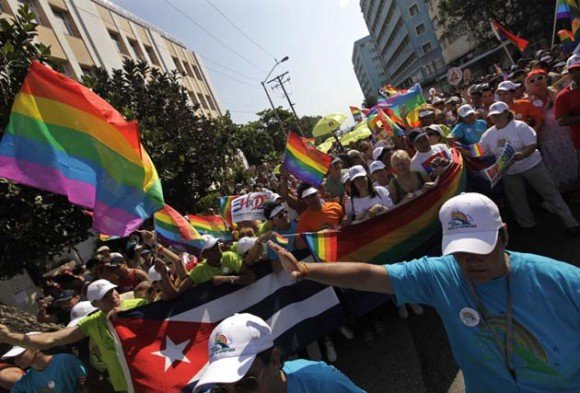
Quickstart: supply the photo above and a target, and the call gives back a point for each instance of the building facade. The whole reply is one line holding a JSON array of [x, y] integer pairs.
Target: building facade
[[368, 67], [405, 39], [87, 33]]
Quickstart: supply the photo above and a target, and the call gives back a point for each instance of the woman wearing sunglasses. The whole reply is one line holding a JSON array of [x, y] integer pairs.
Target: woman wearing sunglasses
[[555, 142], [244, 359]]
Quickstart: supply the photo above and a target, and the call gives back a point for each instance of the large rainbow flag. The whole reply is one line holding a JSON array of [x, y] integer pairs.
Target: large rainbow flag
[[65, 139], [172, 228], [226, 209], [412, 100], [211, 225], [382, 125], [567, 9], [305, 161], [390, 237], [322, 245]]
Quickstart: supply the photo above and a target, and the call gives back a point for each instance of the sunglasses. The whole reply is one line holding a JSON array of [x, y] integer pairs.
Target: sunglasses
[[537, 78], [282, 215], [244, 385]]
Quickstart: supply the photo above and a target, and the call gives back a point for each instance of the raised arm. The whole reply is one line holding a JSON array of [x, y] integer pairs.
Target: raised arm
[[360, 276], [42, 341]]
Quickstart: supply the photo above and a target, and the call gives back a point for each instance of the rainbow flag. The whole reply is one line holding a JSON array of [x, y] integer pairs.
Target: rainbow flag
[[175, 230], [65, 139], [576, 29], [500, 72], [226, 209], [390, 237], [211, 225], [322, 245], [106, 238], [504, 34], [356, 114], [389, 91], [566, 40], [304, 161], [412, 99], [384, 126], [563, 10], [476, 150]]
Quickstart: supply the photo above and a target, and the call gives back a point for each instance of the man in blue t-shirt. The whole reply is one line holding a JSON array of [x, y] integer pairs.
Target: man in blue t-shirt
[[512, 319], [242, 357], [61, 373], [469, 129]]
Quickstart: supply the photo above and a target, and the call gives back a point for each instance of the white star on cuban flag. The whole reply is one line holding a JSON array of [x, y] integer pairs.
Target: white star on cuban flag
[[172, 352]]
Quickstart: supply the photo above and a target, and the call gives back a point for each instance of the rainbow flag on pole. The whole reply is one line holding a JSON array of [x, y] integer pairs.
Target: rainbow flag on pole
[[476, 150], [175, 230], [65, 139], [356, 114], [211, 225], [323, 245], [563, 10], [412, 100], [304, 161]]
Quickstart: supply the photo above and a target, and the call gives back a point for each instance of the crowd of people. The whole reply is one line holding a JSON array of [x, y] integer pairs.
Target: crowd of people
[[535, 108]]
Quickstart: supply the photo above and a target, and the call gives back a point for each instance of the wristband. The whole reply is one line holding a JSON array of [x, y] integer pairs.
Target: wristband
[[304, 271], [160, 248]]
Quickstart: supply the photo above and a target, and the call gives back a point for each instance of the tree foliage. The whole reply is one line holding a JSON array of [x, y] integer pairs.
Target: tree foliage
[[529, 18]]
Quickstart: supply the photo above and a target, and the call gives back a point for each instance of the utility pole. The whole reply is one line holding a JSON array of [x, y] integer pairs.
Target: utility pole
[[275, 111], [281, 82]]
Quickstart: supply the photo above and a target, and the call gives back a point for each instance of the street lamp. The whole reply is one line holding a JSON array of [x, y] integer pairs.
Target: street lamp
[[268, 95]]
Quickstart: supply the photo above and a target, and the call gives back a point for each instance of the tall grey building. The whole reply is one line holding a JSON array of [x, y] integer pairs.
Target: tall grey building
[[368, 67]]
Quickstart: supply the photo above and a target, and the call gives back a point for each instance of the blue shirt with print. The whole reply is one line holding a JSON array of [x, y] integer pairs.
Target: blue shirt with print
[[63, 374], [291, 246], [468, 134], [546, 307], [304, 376]]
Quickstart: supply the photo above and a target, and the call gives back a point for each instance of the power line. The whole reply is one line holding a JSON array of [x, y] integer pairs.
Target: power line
[[213, 36], [240, 30], [231, 77], [229, 69]]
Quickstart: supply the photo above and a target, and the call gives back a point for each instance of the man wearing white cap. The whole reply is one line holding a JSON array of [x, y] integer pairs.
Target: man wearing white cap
[[319, 214], [512, 318], [380, 174], [243, 358], [104, 296], [469, 129], [524, 110], [61, 373], [567, 104], [527, 168], [429, 159]]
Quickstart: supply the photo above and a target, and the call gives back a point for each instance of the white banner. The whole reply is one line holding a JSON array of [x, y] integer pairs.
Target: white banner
[[249, 207]]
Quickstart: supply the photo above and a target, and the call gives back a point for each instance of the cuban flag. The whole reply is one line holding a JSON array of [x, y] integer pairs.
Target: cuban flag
[[163, 346]]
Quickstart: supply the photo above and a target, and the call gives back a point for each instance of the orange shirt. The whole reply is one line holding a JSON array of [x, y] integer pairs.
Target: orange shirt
[[526, 111], [328, 217]]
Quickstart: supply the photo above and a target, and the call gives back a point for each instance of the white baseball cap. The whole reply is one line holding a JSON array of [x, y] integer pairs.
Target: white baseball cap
[[376, 166], [507, 86], [345, 177], [154, 274], [465, 110], [245, 243], [356, 171], [103, 249], [573, 62], [208, 242], [377, 152], [436, 128], [79, 311], [498, 107], [16, 350], [309, 191], [470, 222], [233, 346], [97, 289], [425, 113]]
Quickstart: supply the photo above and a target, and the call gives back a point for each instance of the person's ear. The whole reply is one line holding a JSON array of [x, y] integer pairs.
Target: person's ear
[[503, 235]]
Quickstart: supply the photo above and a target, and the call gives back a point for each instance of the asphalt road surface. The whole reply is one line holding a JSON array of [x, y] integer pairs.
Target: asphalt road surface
[[414, 355]]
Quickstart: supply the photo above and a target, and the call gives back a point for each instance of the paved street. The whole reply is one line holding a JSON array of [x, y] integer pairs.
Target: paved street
[[414, 356]]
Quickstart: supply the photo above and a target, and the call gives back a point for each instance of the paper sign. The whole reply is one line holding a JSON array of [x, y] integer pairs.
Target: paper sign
[[249, 207], [454, 76], [495, 172]]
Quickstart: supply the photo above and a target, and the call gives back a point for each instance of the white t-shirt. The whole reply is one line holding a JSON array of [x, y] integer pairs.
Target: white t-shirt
[[519, 135], [361, 204], [421, 162]]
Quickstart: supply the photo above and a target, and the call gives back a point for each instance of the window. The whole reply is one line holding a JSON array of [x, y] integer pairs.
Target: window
[[135, 50], [88, 70], [413, 10], [427, 47], [118, 44], [151, 54], [202, 101], [210, 102], [63, 22], [420, 29], [197, 73], [178, 65], [187, 68], [34, 8]]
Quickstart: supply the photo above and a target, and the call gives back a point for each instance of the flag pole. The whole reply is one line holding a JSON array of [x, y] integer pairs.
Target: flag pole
[[496, 33], [555, 20], [508, 53]]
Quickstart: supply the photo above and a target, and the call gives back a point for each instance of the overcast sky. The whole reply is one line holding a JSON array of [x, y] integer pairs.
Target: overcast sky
[[317, 35]]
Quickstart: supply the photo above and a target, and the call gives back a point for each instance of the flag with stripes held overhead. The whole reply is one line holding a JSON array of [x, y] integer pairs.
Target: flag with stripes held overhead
[[356, 114], [567, 9], [211, 225], [226, 209], [322, 245], [163, 346], [504, 34], [172, 228], [305, 161]]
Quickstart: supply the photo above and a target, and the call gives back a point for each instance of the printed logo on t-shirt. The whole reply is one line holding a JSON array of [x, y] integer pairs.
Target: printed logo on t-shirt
[[460, 220], [519, 116], [469, 317], [428, 163]]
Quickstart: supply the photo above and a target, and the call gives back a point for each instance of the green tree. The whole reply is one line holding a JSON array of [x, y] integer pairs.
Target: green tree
[[34, 225]]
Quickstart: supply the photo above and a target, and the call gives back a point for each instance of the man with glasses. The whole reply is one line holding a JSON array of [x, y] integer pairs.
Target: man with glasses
[[524, 110], [277, 216], [244, 359]]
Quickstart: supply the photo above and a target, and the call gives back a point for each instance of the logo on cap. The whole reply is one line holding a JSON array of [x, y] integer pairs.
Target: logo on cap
[[221, 345], [460, 220]]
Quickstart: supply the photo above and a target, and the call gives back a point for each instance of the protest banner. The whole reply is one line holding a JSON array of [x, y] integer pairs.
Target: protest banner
[[249, 207], [495, 172]]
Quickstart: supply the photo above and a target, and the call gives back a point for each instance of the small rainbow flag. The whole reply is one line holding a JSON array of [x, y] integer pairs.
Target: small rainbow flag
[[304, 161], [282, 240], [226, 209], [65, 139], [211, 225], [476, 150], [323, 245], [356, 114], [566, 39], [106, 238], [390, 90], [175, 230]]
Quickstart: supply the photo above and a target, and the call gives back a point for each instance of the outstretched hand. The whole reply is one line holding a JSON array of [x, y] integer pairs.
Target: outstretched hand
[[289, 262]]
